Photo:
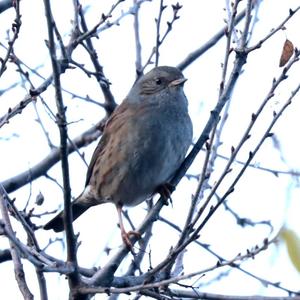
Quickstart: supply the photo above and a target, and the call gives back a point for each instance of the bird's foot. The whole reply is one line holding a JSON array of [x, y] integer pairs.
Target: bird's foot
[[165, 191], [126, 234], [126, 238]]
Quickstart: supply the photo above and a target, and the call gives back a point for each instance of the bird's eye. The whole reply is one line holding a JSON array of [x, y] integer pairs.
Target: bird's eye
[[158, 81]]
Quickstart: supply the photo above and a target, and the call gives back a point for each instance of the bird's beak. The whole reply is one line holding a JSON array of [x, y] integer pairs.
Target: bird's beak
[[179, 81]]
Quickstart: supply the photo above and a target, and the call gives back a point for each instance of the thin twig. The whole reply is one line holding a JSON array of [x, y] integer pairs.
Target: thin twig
[[273, 31], [191, 57], [27, 99], [33, 243], [137, 39], [239, 258], [18, 267], [159, 41], [103, 21], [15, 29], [187, 229], [162, 7], [109, 103]]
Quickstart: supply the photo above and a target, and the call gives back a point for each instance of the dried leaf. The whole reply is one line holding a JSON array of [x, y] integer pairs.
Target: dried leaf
[[287, 52]]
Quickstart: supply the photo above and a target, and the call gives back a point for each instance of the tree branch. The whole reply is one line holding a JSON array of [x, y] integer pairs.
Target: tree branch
[[40, 169], [18, 267], [209, 44], [61, 120]]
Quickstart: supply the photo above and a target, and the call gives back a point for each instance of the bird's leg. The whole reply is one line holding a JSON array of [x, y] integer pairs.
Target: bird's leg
[[165, 190], [124, 234]]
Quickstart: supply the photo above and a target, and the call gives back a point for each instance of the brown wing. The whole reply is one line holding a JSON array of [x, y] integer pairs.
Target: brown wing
[[96, 153], [116, 120]]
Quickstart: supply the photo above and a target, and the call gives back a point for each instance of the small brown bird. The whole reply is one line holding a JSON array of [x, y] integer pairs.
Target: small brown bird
[[143, 143]]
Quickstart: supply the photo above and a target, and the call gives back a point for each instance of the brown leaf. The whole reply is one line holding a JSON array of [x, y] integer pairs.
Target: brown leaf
[[287, 52]]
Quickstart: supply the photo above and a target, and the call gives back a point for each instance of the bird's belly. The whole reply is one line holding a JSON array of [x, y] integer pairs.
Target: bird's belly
[[154, 155], [147, 172]]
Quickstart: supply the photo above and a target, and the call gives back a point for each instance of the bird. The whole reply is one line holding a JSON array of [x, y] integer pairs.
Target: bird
[[144, 142]]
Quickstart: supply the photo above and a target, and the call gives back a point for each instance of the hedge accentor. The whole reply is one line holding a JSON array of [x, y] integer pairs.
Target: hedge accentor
[[144, 142]]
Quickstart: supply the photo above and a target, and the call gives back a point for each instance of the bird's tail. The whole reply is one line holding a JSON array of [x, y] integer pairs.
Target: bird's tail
[[57, 223]]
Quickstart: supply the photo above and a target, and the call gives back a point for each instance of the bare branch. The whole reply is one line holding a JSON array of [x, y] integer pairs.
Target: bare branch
[[138, 47], [273, 31], [50, 160], [19, 271], [240, 257], [27, 99], [62, 125], [15, 29], [109, 103], [209, 44]]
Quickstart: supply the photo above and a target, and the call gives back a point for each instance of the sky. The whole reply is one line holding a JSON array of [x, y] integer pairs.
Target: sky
[[258, 196]]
